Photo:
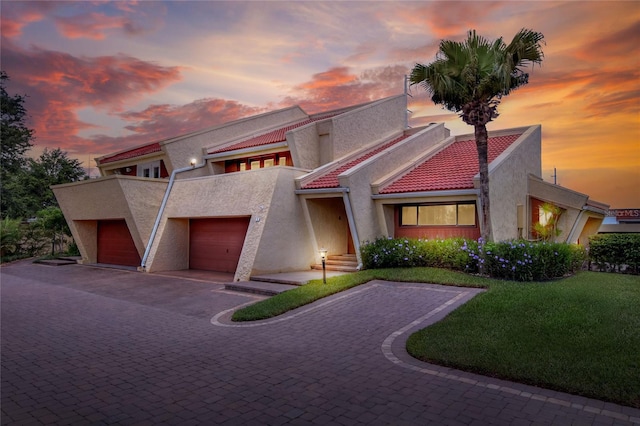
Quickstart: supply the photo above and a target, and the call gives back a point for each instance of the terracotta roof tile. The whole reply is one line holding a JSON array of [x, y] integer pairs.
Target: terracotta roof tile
[[452, 168], [278, 135], [132, 153], [330, 179]]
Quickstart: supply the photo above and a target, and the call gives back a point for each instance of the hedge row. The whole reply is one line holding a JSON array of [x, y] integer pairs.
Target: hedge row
[[615, 252], [514, 260]]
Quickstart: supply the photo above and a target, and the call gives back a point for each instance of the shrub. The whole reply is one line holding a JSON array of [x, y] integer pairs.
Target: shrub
[[615, 252], [34, 241], [525, 260], [10, 236], [408, 252], [514, 260]]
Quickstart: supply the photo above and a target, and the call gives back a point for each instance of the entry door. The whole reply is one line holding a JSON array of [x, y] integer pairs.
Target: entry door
[[115, 245], [216, 244]]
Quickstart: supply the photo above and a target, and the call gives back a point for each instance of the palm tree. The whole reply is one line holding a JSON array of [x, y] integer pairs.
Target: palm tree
[[470, 78]]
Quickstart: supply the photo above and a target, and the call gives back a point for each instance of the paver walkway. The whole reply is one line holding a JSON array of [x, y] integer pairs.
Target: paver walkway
[[84, 345]]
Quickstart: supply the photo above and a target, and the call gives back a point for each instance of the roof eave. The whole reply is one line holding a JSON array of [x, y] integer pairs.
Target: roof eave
[[244, 151], [426, 194]]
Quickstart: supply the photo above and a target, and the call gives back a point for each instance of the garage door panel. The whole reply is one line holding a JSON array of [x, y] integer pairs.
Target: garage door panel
[[216, 244], [115, 244]]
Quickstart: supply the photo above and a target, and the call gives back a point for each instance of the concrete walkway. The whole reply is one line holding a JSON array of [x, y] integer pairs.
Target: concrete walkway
[[92, 346]]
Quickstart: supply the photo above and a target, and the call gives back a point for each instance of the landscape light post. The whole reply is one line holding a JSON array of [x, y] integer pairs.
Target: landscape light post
[[323, 255]]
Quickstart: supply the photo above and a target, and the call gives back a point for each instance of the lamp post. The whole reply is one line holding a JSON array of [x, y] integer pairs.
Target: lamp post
[[323, 255]]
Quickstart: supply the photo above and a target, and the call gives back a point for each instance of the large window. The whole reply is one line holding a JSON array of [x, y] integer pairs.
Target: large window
[[460, 214]]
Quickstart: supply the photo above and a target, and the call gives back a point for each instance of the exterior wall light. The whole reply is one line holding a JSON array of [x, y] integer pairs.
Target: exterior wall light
[[192, 162], [323, 256]]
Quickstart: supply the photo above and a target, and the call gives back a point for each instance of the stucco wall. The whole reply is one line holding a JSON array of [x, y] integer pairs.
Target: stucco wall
[[114, 197], [277, 237], [330, 223], [508, 180], [556, 194], [365, 125], [304, 145]]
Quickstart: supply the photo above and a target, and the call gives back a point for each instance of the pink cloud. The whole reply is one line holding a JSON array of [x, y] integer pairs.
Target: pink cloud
[[338, 87], [163, 121], [89, 25], [450, 19], [21, 14], [59, 84]]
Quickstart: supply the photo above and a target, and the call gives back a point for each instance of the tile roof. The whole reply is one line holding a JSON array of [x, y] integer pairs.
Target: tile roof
[[330, 179], [452, 168], [278, 135], [132, 153]]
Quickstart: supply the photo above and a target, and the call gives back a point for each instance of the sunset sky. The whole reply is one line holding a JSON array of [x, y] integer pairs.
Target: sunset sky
[[102, 76]]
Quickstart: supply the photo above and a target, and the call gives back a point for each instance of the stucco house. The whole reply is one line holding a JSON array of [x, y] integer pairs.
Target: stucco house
[[263, 194]]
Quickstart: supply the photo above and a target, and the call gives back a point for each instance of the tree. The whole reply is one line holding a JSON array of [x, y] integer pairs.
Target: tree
[[15, 141], [53, 167], [470, 78]]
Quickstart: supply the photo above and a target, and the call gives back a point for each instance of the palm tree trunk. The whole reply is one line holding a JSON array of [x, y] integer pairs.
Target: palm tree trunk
[[483, 161]]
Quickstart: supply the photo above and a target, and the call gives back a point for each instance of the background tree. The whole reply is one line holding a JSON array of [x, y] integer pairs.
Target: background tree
[[15, 141], [53, 167], [470, 78], [25, 185]]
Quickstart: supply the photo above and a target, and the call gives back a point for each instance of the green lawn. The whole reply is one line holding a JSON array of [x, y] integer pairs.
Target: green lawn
[[579, 335]]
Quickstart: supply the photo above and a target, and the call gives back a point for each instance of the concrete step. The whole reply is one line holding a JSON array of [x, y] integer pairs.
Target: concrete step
[[341, 268], [340, 262], [343, 257], [283, 280], [259, 287]]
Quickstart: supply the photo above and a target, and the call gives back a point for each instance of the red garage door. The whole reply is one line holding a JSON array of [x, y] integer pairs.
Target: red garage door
[[115, 245], [216, 244]]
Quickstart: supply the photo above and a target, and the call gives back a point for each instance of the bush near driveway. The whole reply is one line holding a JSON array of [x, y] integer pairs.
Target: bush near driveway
[[615, 252], [513, 260]]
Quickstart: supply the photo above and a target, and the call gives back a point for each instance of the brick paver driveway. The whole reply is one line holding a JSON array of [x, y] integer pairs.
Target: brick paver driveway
[[83, 345]]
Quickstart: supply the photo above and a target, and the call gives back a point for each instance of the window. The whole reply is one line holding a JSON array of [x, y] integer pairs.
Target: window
[[149, 169], [438, 215], [270, 160], [409, 215], [467, 214]]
